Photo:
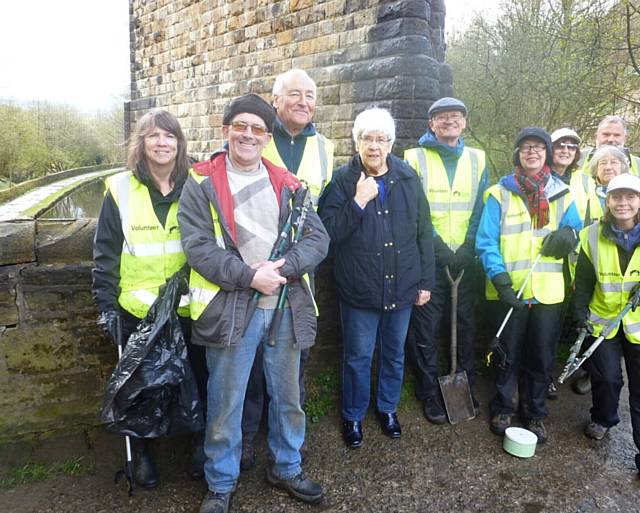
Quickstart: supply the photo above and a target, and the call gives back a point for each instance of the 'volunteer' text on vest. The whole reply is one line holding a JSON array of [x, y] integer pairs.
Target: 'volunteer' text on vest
[[151, 253], [451, 206], [520, 244]]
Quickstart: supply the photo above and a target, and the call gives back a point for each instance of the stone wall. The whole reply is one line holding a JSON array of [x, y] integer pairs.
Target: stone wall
[[53, 361], [191, 57]]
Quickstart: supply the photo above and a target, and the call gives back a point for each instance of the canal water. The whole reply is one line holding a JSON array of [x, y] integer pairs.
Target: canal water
[[83, 203]]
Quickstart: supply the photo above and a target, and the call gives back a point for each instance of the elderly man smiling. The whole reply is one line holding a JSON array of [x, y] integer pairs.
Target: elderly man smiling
[[232, 209]]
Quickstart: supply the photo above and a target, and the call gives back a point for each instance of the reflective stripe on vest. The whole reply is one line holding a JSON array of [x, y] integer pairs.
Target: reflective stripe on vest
[[316, 166], [151, 253], [520, 244], [611, 292], [451, 205]]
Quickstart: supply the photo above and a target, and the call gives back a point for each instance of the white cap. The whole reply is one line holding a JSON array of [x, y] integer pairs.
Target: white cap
[[624, 181], [565, 132]]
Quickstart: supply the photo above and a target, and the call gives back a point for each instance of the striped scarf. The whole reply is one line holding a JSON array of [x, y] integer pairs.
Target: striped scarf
[[533, 189]]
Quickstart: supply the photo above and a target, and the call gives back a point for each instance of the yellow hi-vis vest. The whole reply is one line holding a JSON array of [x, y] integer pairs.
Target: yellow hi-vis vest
[[316, 166], [150, 253], [611, 292], [201, 290], [520, 244], [451, 206]]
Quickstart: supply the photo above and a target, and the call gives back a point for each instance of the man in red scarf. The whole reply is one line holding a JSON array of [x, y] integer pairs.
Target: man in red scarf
[[530, 212]]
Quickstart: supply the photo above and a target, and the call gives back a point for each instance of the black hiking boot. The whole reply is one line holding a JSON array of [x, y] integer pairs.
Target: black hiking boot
[[300, 486], [144, 468]]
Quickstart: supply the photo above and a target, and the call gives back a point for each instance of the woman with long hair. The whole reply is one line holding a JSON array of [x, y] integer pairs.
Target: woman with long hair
[[137, 249]]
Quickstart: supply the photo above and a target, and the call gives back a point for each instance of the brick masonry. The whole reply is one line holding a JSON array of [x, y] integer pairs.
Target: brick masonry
[[191, 57]]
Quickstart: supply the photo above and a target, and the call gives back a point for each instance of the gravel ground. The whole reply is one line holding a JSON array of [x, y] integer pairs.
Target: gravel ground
[[429, 469]]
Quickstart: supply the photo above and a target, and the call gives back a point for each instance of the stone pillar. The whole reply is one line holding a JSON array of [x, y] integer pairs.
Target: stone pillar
[[192, 57]]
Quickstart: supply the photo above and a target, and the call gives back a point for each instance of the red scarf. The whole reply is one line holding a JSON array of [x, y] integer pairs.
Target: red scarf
[[533, 189]]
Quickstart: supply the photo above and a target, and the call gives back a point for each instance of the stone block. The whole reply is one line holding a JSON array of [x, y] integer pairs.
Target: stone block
[[404, 9], [18, 242], [60, 241], [38, 350], [404, 45], [396, 87]]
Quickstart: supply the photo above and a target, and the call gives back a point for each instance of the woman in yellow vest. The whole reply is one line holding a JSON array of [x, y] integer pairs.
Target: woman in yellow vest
[[524, 209], [137, 248], [607, 275]]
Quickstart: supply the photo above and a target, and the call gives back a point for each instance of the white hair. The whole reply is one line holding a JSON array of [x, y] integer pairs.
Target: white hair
[[613, 120], [281, 80], [608, 151], [374, 119]]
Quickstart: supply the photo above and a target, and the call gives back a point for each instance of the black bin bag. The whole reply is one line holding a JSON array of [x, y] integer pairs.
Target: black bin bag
[[152, 391]]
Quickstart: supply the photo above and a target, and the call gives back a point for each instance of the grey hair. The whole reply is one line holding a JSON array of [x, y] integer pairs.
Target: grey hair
[[613, 119], [608, 151], [374, 119], [281, 80]]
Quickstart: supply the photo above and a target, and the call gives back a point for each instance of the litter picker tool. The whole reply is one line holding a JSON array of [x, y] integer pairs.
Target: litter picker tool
[[494, 346]]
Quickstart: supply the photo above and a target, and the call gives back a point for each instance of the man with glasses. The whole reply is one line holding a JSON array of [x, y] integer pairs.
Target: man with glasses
[[232, 210], [454, 177], [528, 213], [298, 147]]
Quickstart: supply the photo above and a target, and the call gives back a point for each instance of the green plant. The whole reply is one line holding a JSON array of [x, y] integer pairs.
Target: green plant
[[34, 472], [322, 393]]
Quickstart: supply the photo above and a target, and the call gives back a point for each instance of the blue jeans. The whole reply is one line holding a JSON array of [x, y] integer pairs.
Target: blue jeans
[[229, 369], [362, 331]]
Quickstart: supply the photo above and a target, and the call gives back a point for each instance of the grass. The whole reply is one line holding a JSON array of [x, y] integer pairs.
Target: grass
[[322, 394], [35, 472]]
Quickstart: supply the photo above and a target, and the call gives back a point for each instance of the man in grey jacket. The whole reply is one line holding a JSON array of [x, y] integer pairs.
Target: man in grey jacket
[[232, 209]]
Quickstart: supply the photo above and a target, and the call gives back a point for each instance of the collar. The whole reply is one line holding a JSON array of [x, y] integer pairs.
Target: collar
[[307, 131], [429, 140]]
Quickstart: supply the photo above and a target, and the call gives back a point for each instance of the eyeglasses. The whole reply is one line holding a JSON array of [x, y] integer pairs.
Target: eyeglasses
[[454, 116], [241, 127], [567, 146], [609, 162], [530, 148], [368, 140]]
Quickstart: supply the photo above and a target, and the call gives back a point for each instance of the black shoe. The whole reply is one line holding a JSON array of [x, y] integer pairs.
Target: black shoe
[[144, 468], [552, 391], [195, 469], [389, 424], [499, 423], [300, 486], [536, 426], [248, 458], [352, 433], [215, 502], [434, 411]]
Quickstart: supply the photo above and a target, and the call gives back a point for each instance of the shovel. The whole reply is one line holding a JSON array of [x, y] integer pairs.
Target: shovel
[[455, 385]]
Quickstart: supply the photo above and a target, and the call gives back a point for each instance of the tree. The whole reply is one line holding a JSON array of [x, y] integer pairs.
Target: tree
[[549, 63]]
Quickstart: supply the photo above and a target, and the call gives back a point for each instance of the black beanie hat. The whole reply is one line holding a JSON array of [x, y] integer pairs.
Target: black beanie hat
[[533, 132], [253, 104]]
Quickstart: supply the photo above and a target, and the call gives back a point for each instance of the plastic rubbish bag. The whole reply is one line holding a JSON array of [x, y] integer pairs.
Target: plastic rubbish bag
[[152, 391]]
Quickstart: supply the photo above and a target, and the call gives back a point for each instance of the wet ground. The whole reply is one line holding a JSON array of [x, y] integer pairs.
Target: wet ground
[[430, 468]]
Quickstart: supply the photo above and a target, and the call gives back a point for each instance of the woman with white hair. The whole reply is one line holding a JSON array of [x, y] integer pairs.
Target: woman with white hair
[[607, 162], [378, 218]]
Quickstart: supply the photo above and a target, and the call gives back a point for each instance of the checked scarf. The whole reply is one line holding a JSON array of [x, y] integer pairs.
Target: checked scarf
[[533, 189]]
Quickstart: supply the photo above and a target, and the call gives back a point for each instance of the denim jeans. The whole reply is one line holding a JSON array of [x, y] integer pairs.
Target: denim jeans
[[229, 369], [362, 331]]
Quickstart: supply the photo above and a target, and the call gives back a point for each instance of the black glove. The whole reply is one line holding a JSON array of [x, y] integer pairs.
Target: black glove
[[560, 243], [108, 321], [502, 283], [634, 297], [444, 255], [463, 257]]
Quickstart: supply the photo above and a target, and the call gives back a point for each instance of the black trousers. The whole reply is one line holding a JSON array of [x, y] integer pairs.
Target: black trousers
[[424, 329], [254, 399], [529, 339], [606, 381]]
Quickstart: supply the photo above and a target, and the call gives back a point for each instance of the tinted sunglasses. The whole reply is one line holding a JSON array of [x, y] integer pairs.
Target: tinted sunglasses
[[566, 146], [241, 127]]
